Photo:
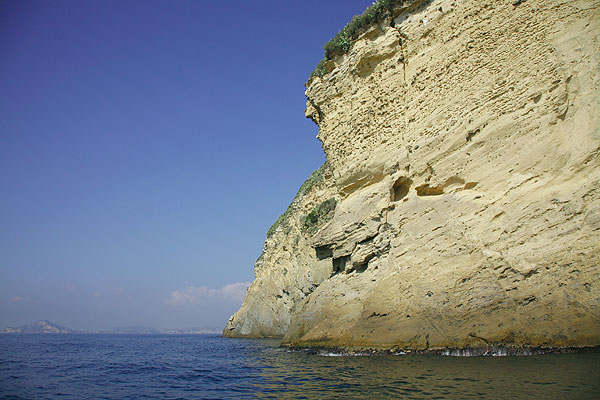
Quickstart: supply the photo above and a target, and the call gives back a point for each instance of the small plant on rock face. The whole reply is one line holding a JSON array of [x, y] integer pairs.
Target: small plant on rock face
[[315, 178], [320, 69], [341, 42], [318, 216]]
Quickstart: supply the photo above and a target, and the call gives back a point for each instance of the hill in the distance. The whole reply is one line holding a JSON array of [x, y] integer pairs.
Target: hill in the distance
[[46, 326], [43, 326]]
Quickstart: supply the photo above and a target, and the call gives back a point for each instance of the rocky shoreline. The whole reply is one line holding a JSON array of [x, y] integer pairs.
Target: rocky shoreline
[[487, 351]]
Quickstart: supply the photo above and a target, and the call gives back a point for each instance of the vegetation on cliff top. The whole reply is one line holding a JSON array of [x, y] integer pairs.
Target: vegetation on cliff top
[[340, 43], [315, 178]]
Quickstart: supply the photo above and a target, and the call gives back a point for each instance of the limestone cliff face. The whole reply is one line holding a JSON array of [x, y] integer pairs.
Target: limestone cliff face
[[463, 143]]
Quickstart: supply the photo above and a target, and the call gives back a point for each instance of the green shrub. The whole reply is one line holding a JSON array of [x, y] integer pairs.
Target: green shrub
[[313, 179], [320, 69], [318, 216], [281, 220], [341, 42]]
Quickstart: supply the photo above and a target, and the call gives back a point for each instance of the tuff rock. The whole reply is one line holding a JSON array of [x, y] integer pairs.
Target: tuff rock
[[462, 141]]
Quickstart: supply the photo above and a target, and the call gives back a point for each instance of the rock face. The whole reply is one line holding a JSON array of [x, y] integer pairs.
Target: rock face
[[463, 143]]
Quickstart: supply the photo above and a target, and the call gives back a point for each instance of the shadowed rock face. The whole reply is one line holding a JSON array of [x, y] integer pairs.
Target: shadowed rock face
[[463, 147]]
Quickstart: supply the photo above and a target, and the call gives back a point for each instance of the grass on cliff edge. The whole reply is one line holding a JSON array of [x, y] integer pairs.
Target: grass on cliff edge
[[318, 216], [340, 43], [313, 179]]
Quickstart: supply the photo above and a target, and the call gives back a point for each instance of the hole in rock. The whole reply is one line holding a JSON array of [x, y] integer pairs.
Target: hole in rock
[[400, 188], [362, 268], [426, 190], [324, 252]]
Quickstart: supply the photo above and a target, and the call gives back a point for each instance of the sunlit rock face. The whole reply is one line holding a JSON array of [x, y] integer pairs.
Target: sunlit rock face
[[463, 143]]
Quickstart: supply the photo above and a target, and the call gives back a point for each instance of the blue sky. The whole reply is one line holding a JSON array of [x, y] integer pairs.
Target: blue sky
[[145, 149]]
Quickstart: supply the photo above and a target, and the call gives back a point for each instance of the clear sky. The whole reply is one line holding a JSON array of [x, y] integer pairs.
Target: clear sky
[[145, 149]]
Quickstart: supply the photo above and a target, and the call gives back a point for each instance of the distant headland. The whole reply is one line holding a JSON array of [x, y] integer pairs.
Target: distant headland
[[42, 326], [45, 326]]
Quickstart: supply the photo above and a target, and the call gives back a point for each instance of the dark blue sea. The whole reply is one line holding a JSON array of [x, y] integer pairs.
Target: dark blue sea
[[209, 367]]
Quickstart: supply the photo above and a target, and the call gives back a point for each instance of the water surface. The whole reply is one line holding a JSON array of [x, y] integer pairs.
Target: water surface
[[209, 367]]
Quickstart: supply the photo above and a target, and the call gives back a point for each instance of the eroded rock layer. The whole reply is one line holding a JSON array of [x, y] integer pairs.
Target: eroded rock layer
[[463, 142]]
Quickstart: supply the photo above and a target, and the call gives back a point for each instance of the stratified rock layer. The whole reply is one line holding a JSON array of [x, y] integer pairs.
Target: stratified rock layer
[[463, 142]]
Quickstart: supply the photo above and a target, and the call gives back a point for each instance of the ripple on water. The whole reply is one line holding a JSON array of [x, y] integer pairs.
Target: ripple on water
[[208, 367]]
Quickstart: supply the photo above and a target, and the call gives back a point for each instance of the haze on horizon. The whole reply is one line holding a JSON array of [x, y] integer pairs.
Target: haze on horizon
[[146, 148]]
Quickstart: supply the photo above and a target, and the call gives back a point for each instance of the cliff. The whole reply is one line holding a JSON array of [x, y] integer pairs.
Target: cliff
[[462, 140], [288, 270]]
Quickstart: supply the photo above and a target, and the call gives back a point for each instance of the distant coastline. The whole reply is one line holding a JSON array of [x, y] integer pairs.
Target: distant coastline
[[48, 327]]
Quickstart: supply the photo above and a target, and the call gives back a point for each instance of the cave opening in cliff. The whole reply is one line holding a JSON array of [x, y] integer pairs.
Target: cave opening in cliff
[[324, 252], [400, 188]]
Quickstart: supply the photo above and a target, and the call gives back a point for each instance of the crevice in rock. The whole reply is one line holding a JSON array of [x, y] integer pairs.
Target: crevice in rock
[[361, 183], [367, 240], [308, 290], [376, 314], [339, 264], [403, 60], [479, 337], [363, 266], [455, 182], [318, 109], [529, 274], [528, 299], [472, 133]]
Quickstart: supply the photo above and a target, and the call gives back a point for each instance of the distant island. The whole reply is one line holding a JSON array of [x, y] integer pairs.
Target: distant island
[[45, 326]]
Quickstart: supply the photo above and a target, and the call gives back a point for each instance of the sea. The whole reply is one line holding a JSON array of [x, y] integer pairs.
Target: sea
[[118, 366]]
